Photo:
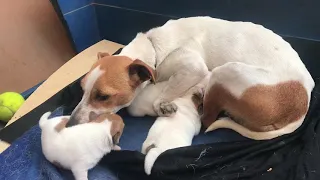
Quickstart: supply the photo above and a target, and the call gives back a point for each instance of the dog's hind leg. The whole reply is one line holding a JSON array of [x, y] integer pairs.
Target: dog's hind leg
[[256, 97]]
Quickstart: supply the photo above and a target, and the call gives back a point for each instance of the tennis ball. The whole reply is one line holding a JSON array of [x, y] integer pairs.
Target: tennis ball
[[10, 102]]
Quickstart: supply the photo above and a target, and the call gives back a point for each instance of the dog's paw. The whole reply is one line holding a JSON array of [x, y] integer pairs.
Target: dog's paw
[[165, 108], [199, 94]]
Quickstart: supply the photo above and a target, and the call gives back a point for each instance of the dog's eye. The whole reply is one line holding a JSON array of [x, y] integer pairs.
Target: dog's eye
[[102, 97]]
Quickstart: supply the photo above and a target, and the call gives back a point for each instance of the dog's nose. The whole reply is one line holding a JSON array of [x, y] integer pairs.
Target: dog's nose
[[74, 118], [72, 122]]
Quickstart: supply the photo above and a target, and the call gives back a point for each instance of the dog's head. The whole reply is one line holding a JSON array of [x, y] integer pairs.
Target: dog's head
[[110, 85], [117, 124]]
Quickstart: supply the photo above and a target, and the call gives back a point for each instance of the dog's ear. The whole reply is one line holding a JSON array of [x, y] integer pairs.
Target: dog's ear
[[140, 72], [102, 54], [116, 130]]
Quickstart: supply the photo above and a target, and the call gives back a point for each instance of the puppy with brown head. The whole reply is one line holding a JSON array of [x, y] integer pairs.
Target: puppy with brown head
[[79, 148]]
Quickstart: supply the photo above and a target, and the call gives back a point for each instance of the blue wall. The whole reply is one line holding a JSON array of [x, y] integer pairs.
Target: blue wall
[[82, 22], [119, 20]]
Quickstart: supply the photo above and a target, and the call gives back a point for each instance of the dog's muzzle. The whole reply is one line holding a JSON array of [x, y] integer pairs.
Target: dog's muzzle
[[72, 122], [74, 119]]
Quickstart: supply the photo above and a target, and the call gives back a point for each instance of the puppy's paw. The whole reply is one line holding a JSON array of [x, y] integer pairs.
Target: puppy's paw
[[165, 108]]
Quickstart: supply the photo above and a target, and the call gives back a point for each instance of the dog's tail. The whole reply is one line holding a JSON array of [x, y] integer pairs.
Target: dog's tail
[[230, 124], [44, 118], [150, 159]]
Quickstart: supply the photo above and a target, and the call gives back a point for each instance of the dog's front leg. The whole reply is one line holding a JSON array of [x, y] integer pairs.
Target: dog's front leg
[[178, 84]]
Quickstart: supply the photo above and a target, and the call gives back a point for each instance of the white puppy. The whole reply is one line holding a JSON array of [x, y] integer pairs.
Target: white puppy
[[142, 104], [79, 148], [177, 130]]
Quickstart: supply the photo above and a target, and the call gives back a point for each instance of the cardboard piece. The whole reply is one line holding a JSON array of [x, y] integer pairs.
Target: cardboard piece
[[66, 74]]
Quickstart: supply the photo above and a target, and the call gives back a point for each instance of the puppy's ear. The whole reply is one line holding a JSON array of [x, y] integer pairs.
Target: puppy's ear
[[116, 130], [140, 72], [102, 54]]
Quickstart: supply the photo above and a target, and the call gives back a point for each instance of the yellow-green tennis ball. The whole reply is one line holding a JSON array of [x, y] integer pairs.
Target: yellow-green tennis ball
[[10, 102], [5, 114]]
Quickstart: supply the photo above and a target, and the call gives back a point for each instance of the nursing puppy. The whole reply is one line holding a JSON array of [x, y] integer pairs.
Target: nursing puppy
[[172, 132], [175, 131], [79, 148], [256, 75], [142, 104]]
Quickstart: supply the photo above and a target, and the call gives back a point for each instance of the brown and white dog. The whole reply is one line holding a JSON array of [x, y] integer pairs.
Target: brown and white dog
[[79, 148], [256, 75]]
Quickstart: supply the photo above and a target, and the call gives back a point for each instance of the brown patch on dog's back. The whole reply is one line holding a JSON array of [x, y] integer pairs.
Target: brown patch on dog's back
[[260, 108], [62, 124]]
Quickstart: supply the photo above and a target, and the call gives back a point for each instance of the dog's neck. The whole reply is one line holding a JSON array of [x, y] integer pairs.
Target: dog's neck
[[141, 48]]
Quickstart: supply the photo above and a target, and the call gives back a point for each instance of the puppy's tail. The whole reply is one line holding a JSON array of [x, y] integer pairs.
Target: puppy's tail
[[44, 119], [230, 124], [150, 159]]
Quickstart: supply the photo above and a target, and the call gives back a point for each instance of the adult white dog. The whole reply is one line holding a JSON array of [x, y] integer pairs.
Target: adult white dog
[[256, 76]]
